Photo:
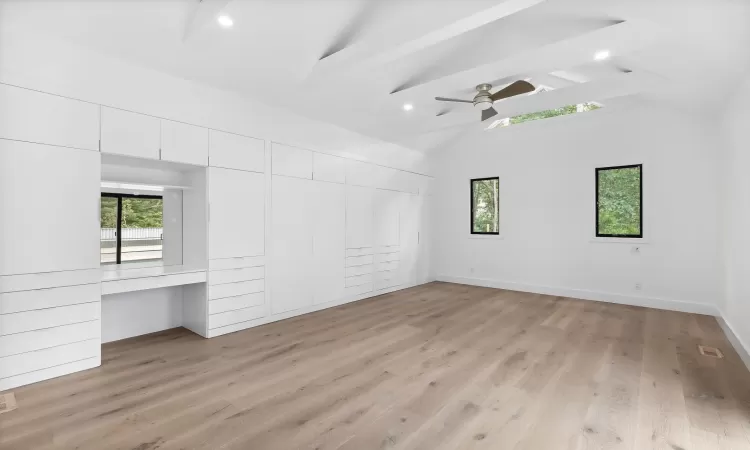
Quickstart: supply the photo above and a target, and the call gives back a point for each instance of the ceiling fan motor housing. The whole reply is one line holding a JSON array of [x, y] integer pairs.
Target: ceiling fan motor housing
[[482, 100]]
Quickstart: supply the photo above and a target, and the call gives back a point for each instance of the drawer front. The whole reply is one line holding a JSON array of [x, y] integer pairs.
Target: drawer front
[[387, 257], [232, 317], [356, 291], [30, 341], [235, 289], [47, 318], [235, 275], [359, 251], [358, 260], [358, 270], [387, 248], [14, 302], [43, 359], [385, 284], [388, 265], [236, 263], [238, 302], [386, 275], [359, 280], [32, 281]]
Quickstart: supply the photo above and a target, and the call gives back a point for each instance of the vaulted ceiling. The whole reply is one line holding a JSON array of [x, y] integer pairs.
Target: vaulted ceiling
[[356, 62]]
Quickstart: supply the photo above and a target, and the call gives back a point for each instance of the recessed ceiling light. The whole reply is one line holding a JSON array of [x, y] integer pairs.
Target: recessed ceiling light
[[601, 55], [408, 106], [225, 21]]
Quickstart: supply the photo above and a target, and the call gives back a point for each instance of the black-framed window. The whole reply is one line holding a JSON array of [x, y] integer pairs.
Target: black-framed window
[[131, 228], [619, 201], [485, 206]]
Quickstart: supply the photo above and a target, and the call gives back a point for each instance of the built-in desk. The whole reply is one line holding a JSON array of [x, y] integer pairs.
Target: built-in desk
[[116, 281]]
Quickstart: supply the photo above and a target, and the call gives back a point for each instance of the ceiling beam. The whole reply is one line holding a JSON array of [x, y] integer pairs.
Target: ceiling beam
[[201, 13], [400, 44]]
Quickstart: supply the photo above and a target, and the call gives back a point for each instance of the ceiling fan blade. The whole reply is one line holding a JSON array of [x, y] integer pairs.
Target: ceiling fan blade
[[517, 88], [457, 100], [487, 113]]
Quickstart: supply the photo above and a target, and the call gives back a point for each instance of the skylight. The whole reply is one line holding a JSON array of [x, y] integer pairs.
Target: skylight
[[563, 111]]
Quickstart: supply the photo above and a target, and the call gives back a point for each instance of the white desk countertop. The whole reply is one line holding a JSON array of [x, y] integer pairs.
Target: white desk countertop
[[123, 279]]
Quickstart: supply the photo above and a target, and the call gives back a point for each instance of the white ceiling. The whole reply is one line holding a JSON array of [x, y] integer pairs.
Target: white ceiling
[[689, 53]]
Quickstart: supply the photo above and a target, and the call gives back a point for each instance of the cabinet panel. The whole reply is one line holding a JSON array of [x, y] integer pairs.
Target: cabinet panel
[[184, 143], [387, 212], [131, 134], [236, 213], [291, 249], [359, 173], [235, 275], [233, 151], [41, 184], [32, 116], [359, 217], [410, 238], [291, 161], [329, 243], [329, 168]]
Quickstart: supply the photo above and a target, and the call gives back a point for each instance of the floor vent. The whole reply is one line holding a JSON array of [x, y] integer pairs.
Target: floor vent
[[713, 352], [7, 403]]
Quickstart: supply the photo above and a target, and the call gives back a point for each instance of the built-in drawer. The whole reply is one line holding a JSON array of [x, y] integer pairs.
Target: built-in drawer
[[387, 248], [385, 275], [356, 291], [235, 289], [358, 280], [30, 341], [385, 284], [235, 275], [358, 270], [14, 302], [238, 302], [388, 265], [237, 316], [32, 281], [387, 257], [359, 251], [47, 318], [358, 260], [49, 357], [236, 263]]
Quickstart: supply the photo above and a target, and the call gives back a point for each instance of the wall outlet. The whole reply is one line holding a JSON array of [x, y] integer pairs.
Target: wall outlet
[[638, 286]]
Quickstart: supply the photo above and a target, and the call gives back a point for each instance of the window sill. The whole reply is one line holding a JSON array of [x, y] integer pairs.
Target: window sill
[[619, 240], [491, 237]]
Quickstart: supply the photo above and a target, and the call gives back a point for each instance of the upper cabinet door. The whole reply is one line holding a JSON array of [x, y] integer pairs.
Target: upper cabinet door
[[33, 116], [291, 161], [233, 151], [184, 143], [130, 134], [236, 213], [49, 198], [329, 168]]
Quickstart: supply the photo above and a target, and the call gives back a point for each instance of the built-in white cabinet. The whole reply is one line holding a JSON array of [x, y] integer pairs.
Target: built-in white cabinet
[[387, 212], [32, 116], [292, 244], [233, 151], [236, 213], [291, 161], [184, 143], [130, 134], [359, 217], [49, 198], [329, 168], [329, 240]]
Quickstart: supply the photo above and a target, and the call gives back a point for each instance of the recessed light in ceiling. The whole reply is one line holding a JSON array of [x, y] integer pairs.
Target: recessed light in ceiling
[[225, 21], [408, 106], [601, 55]]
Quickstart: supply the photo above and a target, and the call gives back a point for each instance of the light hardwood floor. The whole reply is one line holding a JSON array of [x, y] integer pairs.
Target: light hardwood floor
[[439, 366]]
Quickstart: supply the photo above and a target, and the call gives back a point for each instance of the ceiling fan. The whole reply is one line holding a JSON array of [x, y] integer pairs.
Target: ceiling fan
[[484, 100]]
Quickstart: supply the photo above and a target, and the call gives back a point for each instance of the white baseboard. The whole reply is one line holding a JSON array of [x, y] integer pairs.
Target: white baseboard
[[739, 346], [648, 302]]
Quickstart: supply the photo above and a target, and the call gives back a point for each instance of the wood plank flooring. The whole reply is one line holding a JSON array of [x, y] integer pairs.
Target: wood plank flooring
[[439, 366]]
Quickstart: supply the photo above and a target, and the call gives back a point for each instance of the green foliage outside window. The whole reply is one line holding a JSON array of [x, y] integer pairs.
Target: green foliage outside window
[[485, 205], [618, 202], [136, 212], [565, 110]]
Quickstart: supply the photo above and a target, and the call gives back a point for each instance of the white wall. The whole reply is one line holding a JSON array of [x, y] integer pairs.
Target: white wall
[[546, 171], [135, 313], [736, 213], [53, 66]]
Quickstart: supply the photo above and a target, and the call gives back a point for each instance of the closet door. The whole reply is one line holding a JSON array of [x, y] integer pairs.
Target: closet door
[[424, 229], [291, 248], [329, 242], [359, 217], [131, 134], [410, 237], [236, 213]]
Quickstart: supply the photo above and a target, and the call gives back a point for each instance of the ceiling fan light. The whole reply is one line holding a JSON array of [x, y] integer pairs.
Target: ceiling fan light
[[484, 104]]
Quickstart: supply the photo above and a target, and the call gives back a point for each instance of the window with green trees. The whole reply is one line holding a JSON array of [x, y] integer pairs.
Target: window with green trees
[[619, 201], [131, 228], [546, 114], [485, 206]]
